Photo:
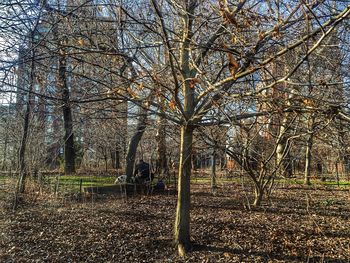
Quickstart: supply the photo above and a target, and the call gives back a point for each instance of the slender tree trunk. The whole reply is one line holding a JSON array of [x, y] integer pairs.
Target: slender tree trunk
[[346, 162], [4, 160], [134, 142], [308, 152], [308, 155], [106, 161], [22, 151], [115, 156], [182, 221], [162, 167], [213, 173]]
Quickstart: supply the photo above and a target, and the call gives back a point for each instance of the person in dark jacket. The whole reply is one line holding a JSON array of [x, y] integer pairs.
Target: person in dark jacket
[[143, 172]]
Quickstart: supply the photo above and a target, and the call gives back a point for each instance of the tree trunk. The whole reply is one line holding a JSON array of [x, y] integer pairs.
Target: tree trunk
[[69, 150], [115, 156], [162, 167], [308, 160], [259, 192], [182, 221], [106, 162], [4, 160], [22, 151], [283, 158], [213, 173], [134, 142], [283, 155], [308, 153]]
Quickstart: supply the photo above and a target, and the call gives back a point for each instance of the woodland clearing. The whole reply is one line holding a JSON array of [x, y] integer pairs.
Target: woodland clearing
[[300, 224]]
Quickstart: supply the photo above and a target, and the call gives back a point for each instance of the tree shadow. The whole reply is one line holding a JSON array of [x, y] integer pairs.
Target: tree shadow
[[265, 255], [329, 212]]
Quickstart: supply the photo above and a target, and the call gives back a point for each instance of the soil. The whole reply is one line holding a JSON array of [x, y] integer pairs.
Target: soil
[[297, 225]]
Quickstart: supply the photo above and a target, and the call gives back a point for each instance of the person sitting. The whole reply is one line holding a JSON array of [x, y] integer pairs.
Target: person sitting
[[143, 172]]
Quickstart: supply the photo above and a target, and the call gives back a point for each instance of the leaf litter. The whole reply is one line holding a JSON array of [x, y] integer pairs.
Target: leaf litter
[[140, 228]]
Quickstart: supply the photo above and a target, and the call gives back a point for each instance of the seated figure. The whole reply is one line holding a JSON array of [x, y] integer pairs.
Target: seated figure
[[143, 172]]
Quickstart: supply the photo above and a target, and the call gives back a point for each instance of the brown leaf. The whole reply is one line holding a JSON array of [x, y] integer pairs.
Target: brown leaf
[[226, 13], [261, 35], [233, 39], [276, 32], [140, 86], [132, 93], [172, 105], [232, 65], [81, 42], [193, 82]]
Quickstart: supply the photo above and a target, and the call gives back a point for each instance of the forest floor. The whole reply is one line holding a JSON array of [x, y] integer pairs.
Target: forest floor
[[300, 224]]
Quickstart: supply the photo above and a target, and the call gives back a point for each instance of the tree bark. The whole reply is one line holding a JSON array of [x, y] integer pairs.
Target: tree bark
[[115, 156], [308, 152], [213, 173], [182, 221], [22, 151], [283, 152], [308, 160], [162, 167], [134, 142], [4, 159], [259, 192], [69, 150]]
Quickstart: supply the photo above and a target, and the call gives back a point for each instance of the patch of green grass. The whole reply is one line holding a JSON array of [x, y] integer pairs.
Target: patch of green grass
[[200, 180], [207, 180], [71, 183], [88, 179], [332, 202], [290, 181], [335, 183], [313, 182]]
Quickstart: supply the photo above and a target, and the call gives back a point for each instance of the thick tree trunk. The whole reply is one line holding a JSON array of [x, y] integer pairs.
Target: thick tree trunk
[[134, 142], [69, 150], [283, 158], [182, 221], [283, 152], [258, 192]]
